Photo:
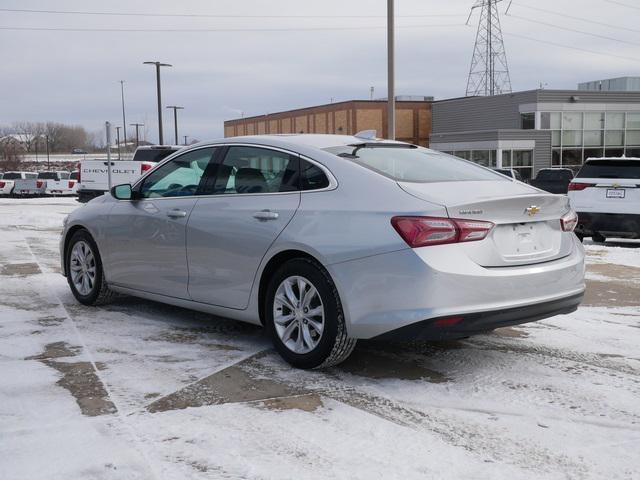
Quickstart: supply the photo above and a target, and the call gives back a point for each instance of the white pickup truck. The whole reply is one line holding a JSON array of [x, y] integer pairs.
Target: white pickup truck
[[93, 177], [57, 183], [8, 181]]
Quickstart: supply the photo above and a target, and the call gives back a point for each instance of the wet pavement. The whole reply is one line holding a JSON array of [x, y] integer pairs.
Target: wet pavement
[[145, 390]]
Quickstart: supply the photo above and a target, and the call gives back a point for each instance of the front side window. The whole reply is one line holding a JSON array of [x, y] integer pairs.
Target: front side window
[[256, 170], [180, 177], [414, 164]]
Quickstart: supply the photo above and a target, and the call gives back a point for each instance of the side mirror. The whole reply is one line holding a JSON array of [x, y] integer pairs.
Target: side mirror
[[122, 192]]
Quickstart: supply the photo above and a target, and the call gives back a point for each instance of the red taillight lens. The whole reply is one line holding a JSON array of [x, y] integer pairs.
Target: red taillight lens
[[39, 184], [71, 183], [145, 167], [2, 184], [569, 221], [79, 167], [576, 187], [424, 231]]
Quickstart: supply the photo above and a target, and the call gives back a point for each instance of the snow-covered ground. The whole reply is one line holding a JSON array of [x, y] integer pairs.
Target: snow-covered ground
[[138, 390]]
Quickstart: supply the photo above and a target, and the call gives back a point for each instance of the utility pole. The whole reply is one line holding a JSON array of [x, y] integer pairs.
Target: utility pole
[[391, 95], [107, 127], [175, 120], [371, 90], [158, 65], [47, 140], [118, 141], [124, 118], [137, 125]]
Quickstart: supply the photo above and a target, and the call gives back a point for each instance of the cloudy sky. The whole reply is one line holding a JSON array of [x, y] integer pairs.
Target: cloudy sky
[[283, 54]]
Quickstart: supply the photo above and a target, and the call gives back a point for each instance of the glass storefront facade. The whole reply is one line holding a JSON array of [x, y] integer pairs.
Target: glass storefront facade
[[576, 136], [520, 160]]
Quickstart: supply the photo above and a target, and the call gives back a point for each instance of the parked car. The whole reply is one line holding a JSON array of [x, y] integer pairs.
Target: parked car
[[326, 239], [78, 151], [73, 181], [606, 195], [509, 172], [7, 183], [94, 176], [57, 183], [553, 180]]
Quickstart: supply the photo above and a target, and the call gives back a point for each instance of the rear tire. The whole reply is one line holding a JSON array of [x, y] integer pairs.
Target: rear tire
[[598, 238], [85, 274], [304, 316]]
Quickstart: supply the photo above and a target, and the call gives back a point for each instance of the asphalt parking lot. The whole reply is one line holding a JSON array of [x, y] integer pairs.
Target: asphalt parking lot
[[140, 390]]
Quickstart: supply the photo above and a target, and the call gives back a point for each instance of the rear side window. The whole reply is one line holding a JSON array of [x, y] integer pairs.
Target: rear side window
[[610, 169], [313, 178], [153, 155], [415, 164]]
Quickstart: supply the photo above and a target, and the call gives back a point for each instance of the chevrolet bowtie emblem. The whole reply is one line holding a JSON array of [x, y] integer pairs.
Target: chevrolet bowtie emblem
[[532, 210]]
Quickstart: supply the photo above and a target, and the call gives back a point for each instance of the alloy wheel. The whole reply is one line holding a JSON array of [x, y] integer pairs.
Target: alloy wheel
[[82, 267]]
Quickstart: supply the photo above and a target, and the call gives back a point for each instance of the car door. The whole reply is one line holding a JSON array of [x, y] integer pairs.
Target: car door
[[146, 237], [253, 197]]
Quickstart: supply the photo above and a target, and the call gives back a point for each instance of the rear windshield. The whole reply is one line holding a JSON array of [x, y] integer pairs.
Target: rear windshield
[[153, 155], [74, 176], [610, 169], [11, 176], [554, 174], [48, 176], [414, 164]]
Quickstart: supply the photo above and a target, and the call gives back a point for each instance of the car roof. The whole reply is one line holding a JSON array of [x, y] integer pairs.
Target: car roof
[[598, 159], [319, 141]]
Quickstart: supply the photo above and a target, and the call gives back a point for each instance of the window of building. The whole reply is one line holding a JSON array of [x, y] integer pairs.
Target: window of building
[[527, 121], [572, 121]]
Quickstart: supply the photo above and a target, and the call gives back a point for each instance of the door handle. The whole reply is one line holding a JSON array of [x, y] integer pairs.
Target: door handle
[[265, 215], [176, 213]]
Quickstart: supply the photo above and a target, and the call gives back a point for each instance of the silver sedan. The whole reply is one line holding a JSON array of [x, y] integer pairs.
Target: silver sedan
[[326, 239]]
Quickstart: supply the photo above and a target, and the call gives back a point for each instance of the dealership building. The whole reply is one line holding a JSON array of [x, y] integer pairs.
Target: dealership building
[[526, 131], [538, 128]]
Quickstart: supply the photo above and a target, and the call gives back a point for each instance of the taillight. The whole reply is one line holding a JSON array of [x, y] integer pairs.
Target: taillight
[[576, 187], [71, 183], [569, 221], [423, 231], [145, 167], [39, 183], [2, 184], [79, 168]]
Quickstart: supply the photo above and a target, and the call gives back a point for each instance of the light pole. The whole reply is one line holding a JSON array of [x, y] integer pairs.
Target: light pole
[[175, 120], [391, 96], [118, 140], [158, 65], [47, 140], [124, 118], [185, 140], [137, 125]]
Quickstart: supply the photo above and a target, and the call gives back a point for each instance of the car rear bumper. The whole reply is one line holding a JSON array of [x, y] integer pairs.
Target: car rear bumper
[[383, 293], [609, 224]]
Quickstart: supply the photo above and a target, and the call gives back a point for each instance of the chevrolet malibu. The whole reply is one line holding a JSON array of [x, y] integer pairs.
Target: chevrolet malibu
[[326, 239]]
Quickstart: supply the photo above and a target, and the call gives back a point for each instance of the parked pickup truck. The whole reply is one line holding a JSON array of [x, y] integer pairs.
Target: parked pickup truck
[[93, 179], [57, 183], [29, 187], [7, 183], [553, 180]]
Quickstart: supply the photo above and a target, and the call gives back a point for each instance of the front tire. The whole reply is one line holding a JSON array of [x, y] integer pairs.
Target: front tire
[[85, 274], [304, 316]]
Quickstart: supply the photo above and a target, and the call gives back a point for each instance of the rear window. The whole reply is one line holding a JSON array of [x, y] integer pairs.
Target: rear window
[[554, 174], [610, 169], [153, 155], [415, 164], [74, 176], [11, 176], [48, 176]]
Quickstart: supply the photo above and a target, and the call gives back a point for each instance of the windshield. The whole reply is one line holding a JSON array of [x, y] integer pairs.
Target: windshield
[[414, 164], [153, 155], [610, 169]]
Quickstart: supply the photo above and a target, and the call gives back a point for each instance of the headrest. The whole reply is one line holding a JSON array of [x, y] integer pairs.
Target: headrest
[[250, 180]]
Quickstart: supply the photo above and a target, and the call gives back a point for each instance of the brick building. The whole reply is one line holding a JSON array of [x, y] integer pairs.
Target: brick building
[[413, 120]]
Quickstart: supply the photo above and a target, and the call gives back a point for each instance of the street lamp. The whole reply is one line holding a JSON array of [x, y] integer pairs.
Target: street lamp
[[137, 125], [158, 65], [175, 120]]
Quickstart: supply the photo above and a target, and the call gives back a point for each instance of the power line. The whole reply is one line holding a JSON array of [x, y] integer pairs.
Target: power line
[[582, 19], [623, 4], [216, 30], [610, 55], [205, 15], [560, 27]]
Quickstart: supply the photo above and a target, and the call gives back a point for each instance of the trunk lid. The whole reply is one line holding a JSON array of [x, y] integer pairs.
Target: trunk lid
[[527, 221]]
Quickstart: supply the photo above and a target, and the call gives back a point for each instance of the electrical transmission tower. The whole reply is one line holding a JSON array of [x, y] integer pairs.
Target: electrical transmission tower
[[489, 73]]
